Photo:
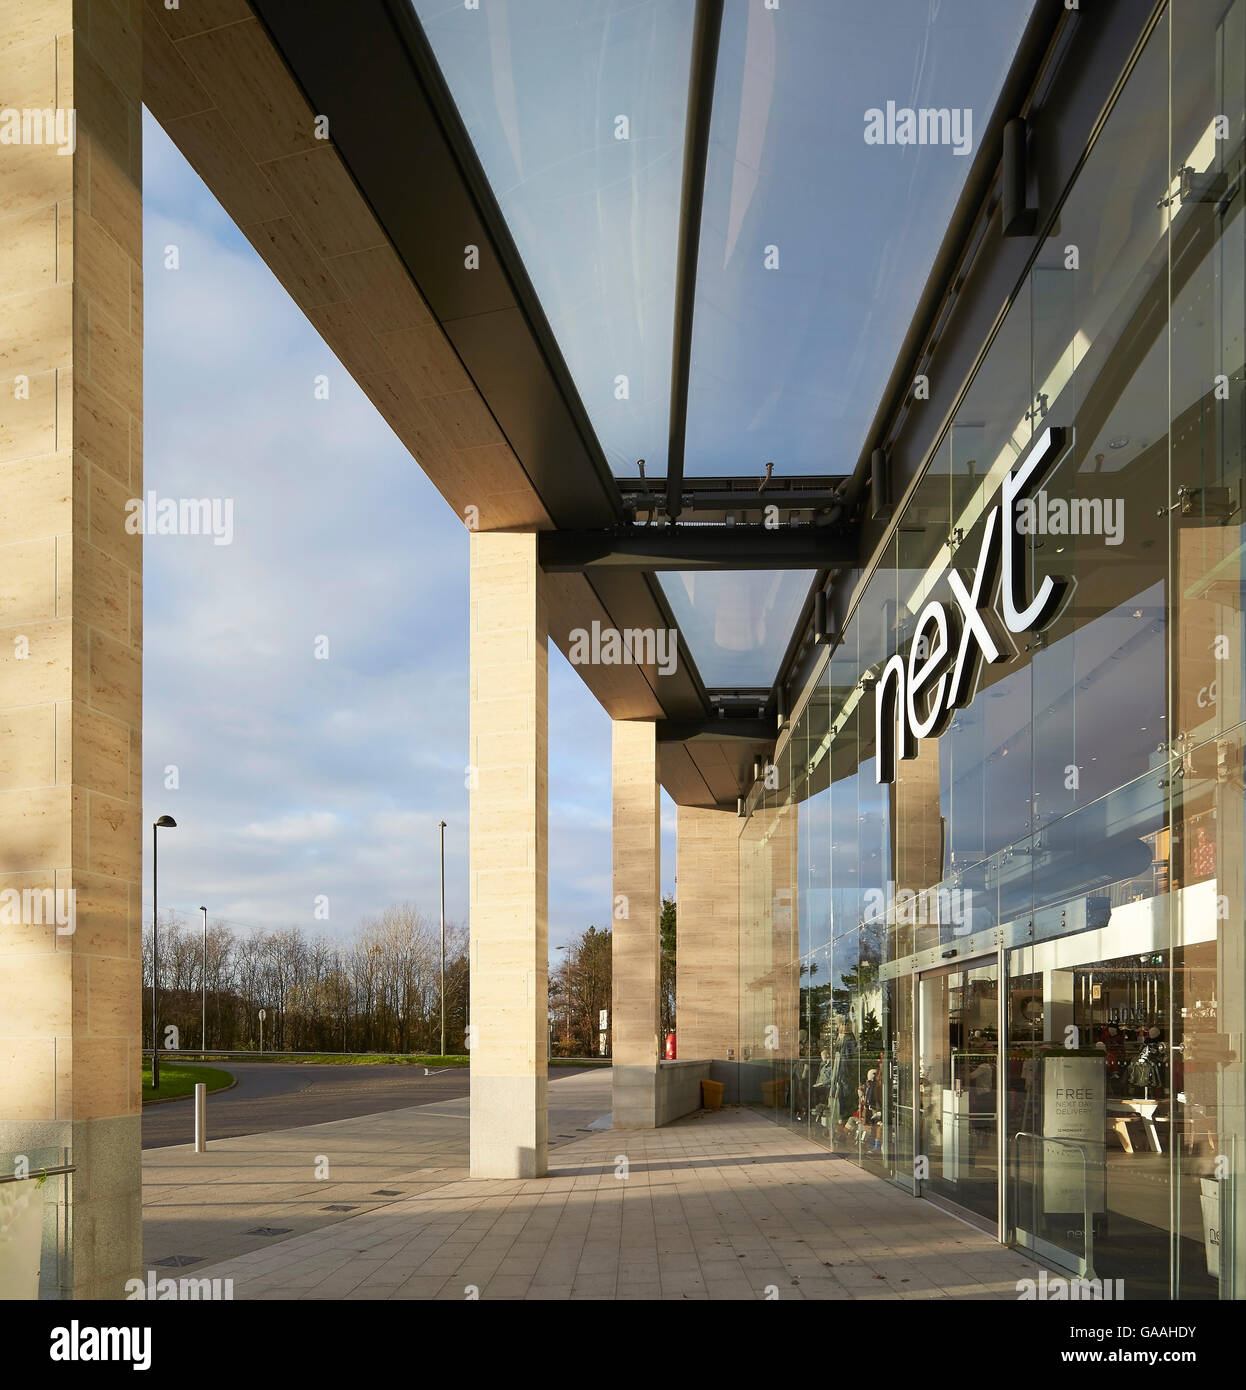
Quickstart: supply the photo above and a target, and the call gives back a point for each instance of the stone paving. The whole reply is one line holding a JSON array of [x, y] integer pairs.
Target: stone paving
[[720, 1205], [209, 1205]]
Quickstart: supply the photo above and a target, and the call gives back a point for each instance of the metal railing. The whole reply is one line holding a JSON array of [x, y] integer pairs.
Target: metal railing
[[40, 1173]]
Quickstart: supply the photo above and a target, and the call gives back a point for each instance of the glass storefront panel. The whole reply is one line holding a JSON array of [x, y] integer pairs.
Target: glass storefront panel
[[957, 1051], [876, 630], [899, 1037], [1207, 410], [1022, 969], [985, 764]]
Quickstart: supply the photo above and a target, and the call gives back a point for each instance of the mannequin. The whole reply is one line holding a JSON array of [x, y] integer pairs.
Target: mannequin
[[872, 1108], [820, 1091], [801, 1069], [1148, 1070], [843, 1077]]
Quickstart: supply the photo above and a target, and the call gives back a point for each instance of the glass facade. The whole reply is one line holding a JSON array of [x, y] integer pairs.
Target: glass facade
[[1012, 979]]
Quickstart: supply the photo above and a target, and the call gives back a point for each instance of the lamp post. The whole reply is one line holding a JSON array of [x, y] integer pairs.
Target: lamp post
[[442, 827], [164, 823], [203, 1027]]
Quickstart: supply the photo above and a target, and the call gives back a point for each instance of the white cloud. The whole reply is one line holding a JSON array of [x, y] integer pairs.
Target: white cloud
[[299, 829], [301, 778]]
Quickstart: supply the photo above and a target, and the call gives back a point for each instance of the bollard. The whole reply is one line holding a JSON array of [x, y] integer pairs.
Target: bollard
[[201, 1117]]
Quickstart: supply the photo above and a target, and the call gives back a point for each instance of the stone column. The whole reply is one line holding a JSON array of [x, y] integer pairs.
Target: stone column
[[916, 815], [508, 853], [636, 941], [783, 1044], [71, 382], [1208, 696], [707, 962]]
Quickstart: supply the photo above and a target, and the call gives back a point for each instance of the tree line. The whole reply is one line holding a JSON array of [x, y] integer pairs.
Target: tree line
[[377, 991], [580, 988]]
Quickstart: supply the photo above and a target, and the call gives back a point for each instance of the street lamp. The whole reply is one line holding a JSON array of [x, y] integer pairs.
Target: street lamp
[[442, 826], [164, 823], [203, 1028]]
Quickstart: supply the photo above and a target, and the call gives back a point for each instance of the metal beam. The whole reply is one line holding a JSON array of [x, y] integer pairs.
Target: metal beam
[[725, 730], [703, 69], [650, 498], [698, 548]]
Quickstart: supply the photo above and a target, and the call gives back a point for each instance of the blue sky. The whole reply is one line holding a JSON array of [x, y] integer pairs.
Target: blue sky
[[299, 777]]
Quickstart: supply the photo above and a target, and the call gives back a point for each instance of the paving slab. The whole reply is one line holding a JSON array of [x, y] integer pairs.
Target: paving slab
[[207, 1204], [723, 1205]]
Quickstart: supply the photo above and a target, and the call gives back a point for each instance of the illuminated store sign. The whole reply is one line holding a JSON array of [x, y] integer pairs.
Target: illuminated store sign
[[916, 696]]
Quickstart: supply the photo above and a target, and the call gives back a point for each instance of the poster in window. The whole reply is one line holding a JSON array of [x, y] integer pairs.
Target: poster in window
[[1074, 1110]]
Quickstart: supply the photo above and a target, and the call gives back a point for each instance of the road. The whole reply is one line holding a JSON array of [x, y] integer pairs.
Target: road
[[274, 1095]]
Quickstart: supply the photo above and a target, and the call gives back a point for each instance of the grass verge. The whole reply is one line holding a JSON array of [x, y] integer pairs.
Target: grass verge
[[177, 1079]]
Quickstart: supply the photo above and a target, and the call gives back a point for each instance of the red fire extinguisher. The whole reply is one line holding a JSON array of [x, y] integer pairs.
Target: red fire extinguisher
[[670, 1047]]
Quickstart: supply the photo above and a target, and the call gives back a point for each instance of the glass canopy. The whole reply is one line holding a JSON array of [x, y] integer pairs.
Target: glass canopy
[[737, 623], [816, 242], [840, 138], [576, 109]]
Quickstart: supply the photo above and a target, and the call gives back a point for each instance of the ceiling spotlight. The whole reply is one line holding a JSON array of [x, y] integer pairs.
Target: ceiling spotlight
[[1119, 442]]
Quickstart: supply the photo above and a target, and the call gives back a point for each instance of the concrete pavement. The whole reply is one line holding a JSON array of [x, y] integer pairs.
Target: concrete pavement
[[721, 1205], [206, 1205]]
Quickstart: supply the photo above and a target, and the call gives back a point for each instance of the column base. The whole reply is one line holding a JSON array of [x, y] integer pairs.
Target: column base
[[509, 1126], [634, 1096]]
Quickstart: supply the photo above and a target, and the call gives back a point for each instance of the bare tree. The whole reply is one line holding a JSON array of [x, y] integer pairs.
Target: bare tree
[[377, 990]]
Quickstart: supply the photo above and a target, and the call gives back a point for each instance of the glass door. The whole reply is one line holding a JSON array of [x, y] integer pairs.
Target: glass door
[[957, 1072]]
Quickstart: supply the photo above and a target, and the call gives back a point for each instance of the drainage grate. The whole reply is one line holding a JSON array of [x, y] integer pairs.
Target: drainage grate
[[337, 1207], [386, 1192], [177, 1261], [271, 1231]]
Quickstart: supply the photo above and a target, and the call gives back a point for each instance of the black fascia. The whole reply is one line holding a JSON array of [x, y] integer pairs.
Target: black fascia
[[703, 69]]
